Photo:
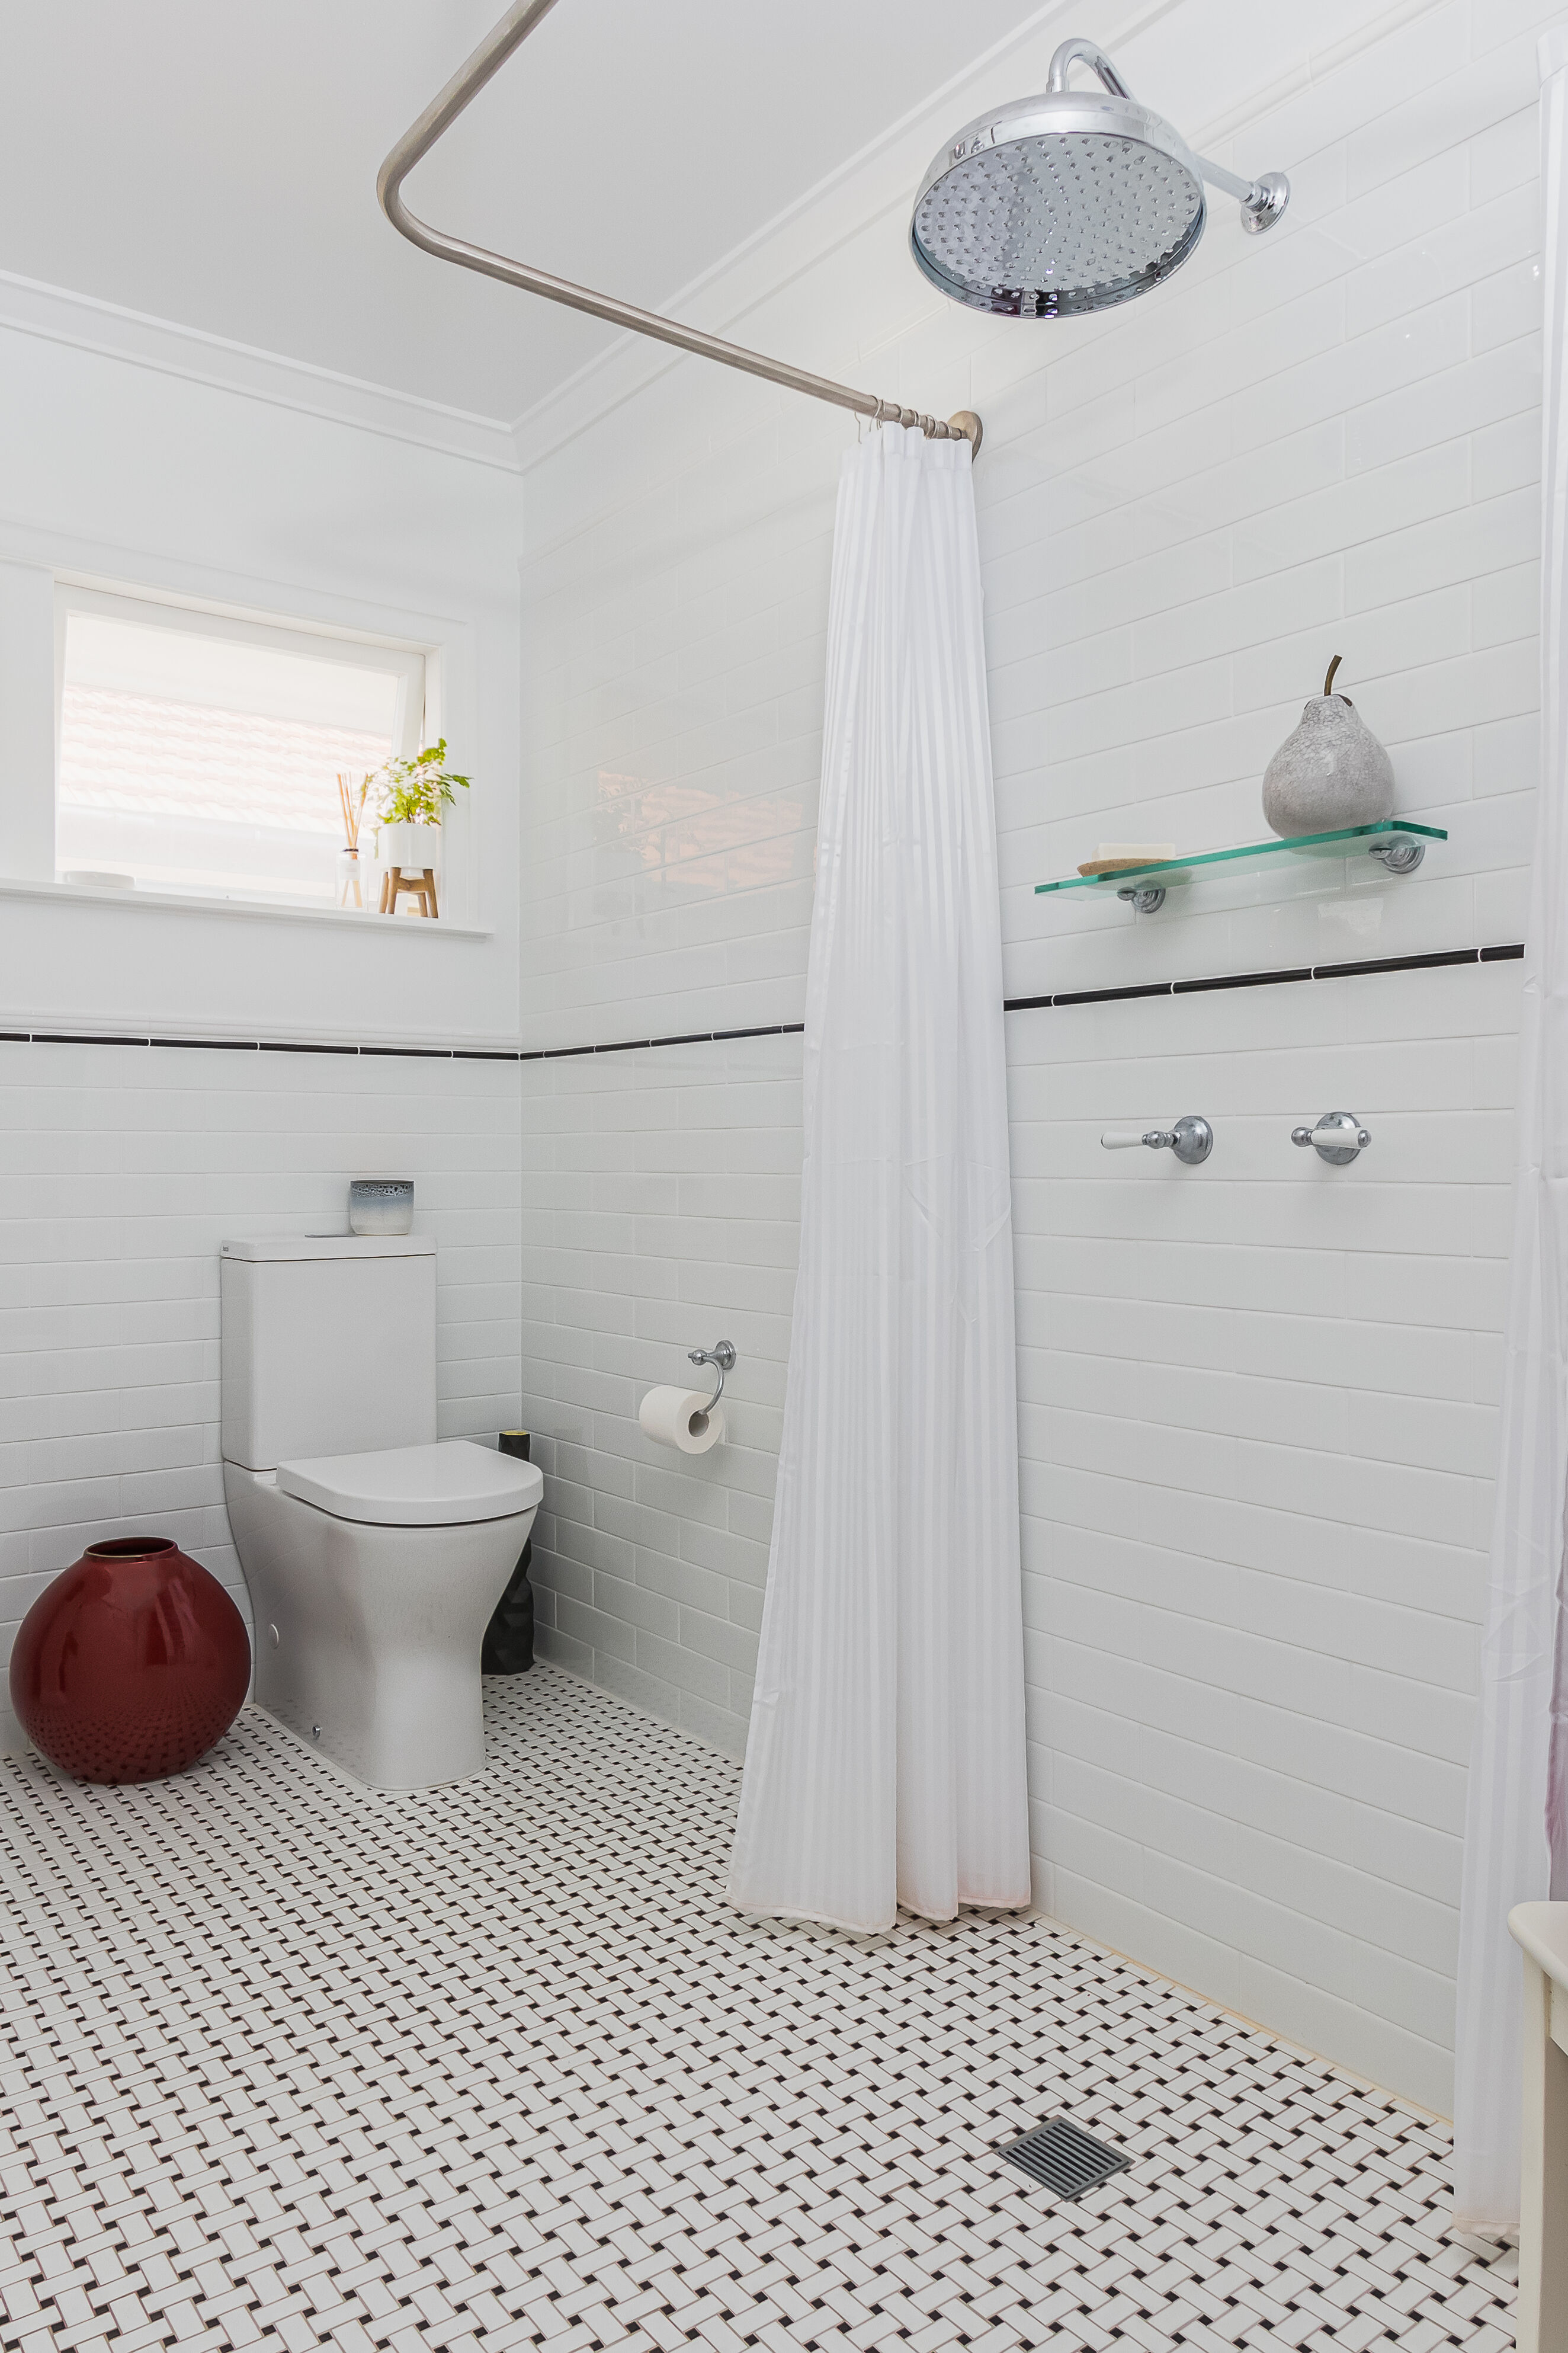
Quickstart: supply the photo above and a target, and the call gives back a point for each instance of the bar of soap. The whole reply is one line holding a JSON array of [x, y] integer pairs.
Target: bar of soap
[[1115, 856]]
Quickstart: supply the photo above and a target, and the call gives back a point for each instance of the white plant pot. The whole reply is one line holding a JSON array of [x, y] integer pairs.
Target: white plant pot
[[410, 846]]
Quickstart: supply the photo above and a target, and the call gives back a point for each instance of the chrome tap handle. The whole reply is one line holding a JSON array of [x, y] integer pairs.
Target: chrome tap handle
[[1338, 1138], [721, 1357], [1191, 1139]]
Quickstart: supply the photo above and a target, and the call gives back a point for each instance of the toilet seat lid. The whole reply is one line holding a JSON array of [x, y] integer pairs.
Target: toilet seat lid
[[416, 1486]]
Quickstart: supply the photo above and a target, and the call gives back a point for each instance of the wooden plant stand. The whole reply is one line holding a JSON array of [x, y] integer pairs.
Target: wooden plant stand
[[419, 883]]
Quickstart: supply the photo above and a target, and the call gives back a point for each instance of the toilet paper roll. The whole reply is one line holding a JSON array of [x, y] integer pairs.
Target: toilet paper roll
[[683, 1418]]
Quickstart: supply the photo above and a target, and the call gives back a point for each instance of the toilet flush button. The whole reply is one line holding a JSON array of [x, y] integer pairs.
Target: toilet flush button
[[273, 1632], [315, 1732]]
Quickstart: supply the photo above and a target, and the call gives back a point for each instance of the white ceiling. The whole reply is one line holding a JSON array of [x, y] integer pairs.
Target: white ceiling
[[214, 164]]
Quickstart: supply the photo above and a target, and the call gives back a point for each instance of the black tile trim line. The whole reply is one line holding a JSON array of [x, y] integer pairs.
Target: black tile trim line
[[1509, 955], [646, 1045], [219, 1045], [406, 1053], [79, 1038], [1506, 954], [288, 1045]]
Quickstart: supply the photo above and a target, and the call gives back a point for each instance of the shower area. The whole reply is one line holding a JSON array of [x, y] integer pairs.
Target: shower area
[[1257, 1387]]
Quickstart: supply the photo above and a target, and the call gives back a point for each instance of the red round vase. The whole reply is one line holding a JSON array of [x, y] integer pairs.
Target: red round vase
[[131, 1664]]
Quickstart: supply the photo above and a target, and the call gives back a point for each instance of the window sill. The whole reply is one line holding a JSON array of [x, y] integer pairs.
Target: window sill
[[272, 911]]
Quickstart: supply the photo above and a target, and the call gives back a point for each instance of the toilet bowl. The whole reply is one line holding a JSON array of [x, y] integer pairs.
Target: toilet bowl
[[368, 1632], [372, 1570]]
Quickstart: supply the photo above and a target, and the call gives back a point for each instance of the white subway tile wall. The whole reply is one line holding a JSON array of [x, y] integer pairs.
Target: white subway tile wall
[[1256, 1398], [662, 1207], [122, 1169]]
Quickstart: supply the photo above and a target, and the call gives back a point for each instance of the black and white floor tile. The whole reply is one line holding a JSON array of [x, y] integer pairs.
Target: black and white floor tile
[[287, 2063]]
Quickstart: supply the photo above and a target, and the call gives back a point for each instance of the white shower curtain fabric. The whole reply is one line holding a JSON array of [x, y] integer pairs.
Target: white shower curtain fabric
[[886, 1762], [1516, 1836]]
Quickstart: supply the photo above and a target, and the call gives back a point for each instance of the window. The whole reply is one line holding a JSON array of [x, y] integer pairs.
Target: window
[[199, 754]]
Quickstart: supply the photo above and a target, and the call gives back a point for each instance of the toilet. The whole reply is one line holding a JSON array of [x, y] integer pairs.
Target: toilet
[[373, 1555]]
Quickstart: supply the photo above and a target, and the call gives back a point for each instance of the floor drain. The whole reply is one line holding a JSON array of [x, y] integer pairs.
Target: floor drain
[[1060, 2158]]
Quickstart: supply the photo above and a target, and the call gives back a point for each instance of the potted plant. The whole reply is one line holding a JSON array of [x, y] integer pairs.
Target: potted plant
[[412, 798]]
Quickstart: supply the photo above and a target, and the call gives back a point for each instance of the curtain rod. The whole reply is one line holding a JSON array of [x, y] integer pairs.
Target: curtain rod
[[439, 117]]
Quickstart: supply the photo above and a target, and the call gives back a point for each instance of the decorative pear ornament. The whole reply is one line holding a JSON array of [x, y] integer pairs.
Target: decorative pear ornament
[[1331, 772]]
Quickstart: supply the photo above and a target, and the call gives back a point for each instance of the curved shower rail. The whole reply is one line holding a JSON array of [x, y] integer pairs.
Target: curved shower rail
[[439, 117]]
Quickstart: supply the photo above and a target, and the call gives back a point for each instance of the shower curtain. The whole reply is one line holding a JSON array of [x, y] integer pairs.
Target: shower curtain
[[1516, 1835], [886, 1763]]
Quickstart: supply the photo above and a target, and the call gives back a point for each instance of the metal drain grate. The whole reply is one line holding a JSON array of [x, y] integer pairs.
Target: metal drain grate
[[1060, 2158]]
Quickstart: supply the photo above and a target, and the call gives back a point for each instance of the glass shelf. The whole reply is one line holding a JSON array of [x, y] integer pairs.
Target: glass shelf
[[1399, 844]]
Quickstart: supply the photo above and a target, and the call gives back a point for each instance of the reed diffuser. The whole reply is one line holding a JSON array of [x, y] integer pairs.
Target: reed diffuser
[[350, 799]]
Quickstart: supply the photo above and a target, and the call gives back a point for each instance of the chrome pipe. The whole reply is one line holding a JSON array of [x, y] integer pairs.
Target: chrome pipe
[[439, 117], [1231, 182], [1262, 201], [1085, 53]]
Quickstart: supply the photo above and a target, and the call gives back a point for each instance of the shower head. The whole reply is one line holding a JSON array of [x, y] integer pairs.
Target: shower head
[[1073, 201]]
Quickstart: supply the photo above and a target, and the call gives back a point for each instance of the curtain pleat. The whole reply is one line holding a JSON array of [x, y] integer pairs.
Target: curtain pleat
[[1515, 1848], [886, 1760]]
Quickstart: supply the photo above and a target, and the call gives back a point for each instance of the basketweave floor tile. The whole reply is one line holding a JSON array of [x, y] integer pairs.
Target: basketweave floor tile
[[287, 2062]]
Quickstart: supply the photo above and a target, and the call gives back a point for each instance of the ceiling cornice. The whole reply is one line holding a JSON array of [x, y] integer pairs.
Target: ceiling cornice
[[56, 315]]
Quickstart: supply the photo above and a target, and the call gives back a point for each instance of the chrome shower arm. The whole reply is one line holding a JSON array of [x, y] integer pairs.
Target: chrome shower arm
[[1231, 182], [438, 118], [1262, 201], [1085, 53]]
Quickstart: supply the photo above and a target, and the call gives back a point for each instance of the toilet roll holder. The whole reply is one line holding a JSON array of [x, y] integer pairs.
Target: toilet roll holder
[[721, 1357]]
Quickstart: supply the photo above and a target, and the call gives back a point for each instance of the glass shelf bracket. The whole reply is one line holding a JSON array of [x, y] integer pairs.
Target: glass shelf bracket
[[1398, 844]]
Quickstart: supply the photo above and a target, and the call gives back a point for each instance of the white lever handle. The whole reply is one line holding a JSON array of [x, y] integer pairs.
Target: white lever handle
[[1336, 1131], [1191, 1139]]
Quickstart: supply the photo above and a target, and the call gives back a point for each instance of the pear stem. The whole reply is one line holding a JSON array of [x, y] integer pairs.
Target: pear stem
[[1328, 681]]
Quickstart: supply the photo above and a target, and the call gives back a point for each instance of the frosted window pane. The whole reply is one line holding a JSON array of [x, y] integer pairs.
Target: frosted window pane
[[205, 764]]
